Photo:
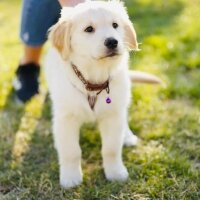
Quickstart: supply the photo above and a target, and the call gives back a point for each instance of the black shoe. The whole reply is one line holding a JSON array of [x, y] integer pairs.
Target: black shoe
[[26, 84]]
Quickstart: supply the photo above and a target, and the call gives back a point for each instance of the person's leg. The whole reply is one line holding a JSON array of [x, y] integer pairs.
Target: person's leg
[[37, 17], [31, 54]]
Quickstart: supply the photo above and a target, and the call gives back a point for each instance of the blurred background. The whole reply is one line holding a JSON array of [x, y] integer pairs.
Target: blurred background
[[166, 163]]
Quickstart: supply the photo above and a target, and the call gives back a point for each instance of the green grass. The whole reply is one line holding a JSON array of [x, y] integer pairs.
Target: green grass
[[166, 163]]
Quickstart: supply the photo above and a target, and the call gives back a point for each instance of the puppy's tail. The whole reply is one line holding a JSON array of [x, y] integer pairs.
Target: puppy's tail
[[143, 77]]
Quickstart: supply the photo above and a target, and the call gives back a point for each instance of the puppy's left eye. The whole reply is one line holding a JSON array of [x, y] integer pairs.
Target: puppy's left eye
[[89, 29], [115, 25]]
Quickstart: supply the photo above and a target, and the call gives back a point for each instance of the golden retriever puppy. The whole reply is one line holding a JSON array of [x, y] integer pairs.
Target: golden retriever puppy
[[88, 78]]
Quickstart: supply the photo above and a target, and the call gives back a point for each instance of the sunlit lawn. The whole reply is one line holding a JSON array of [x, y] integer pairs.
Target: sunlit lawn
[[166, 163]]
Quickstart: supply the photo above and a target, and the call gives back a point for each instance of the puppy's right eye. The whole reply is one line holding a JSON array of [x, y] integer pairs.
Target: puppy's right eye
[[89, 29], [115, 25]]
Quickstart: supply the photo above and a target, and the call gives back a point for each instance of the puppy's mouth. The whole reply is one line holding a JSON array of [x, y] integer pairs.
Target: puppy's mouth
[[110, 54]]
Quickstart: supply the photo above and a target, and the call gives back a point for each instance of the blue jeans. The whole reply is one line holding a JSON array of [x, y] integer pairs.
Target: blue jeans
[[37, 17]]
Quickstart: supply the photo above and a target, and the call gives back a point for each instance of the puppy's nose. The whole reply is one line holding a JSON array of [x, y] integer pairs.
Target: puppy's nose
[[111, 43]]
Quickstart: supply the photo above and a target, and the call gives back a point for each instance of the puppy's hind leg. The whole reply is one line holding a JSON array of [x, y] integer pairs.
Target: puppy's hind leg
[[66, 135], [130, 139], [112, 133]]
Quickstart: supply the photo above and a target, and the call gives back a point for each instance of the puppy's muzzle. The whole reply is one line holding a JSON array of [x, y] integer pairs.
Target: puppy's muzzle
[[111, 43]]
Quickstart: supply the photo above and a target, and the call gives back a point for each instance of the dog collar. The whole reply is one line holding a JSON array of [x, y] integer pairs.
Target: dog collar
[[90, 87]]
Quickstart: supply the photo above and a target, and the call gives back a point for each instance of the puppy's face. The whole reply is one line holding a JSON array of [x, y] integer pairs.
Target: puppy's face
[[96, 30]]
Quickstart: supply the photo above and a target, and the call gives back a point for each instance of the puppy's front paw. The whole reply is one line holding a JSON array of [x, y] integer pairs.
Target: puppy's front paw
[[116, 173], [69, 179]]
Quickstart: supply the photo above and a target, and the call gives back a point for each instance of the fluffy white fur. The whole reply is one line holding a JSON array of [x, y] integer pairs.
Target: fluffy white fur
[[69, 96]]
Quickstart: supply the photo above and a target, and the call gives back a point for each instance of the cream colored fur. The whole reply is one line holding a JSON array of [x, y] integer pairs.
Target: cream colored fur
[[71, 44]]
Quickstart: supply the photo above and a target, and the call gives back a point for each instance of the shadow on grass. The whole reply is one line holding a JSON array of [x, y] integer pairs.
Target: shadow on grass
[[28, 176], [152, 163], [10, 116]]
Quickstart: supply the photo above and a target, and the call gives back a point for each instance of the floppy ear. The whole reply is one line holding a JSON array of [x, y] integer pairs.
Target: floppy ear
[[59, 35], [130, 35]]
